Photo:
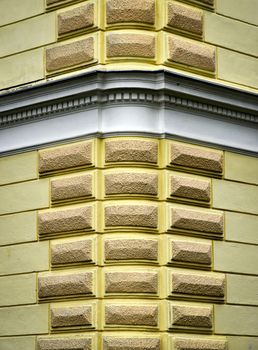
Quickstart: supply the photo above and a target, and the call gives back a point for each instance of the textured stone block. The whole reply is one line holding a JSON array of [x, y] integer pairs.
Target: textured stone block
[[65, 343], [133, 150], [203, 221], [131, 249], [199, 284], [190, 188], [185, 18], [130, 45], [127, 282], [131, 183], [133, 343], [66, 285], [191, 316], [60, 158], [130, 11], [64, 56], [191, 252], [71, 188], [131, 315], [75, 252], [131, 215], [188, 343], [81, 17], [191, 53], [71, 316], [51, 223]]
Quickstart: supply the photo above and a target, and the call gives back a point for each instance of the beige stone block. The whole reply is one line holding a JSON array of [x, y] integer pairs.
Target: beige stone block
[[242, 289], [130, 44], [76, 53], [209, 222], [131, 183], [131, 150], [245, 10], [66, 157], [190, 188], [240, 167], [131, 314], [195, 157], [24, 320], [17, 168], [139, 342], [241, 227], [21, 258], [236, 320], [66, 285], [198, 343], [71, 316], [240, 343], [78, 18], [131, 249], [129, 282], [18, 290], [71, 188], [235, 257], [24, 196], [235, 196], [191, 252], [28, 34], [185, 18], [21, 343], [74, 342], [131, 215], [18, 228], [130, 11], [57, 222]]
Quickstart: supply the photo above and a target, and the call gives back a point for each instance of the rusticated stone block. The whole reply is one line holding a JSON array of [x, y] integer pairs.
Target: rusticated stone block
[[74, 155], [131, 183], [199, 344], [131, 315], [51, 223], [71, 316], [191, 316], [131, 249], [191, 252], [65, 285], [72, 252], [65, 343], [131, 215], [205, 285], [130, 45], [191, 53], [190, 187], [130, 11], [78, 18], [207, 222], [125, 343], [185, 18], [196, 157], [64, 56], [70, 188], [131, 282], [131, 151]]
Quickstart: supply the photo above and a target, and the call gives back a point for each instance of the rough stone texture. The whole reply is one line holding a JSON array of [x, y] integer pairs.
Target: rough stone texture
[[65, 157], [196, 157], [191, 316], [65, 343], [185, 18], [68, 220], [131, 183], [71, 316], [71, 188], [131, 151], [130, 45], [192, 188], [68, 55], [62, 285], [131, 215], [72, 252], [131, 282], [199, 344], [111, 343], [75, 19], [119, 11], [131, 315], [192, 252], [197, 220], [198, 284], [131, 249]]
